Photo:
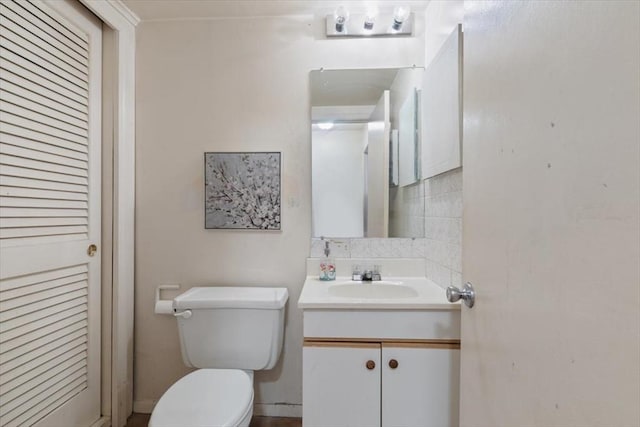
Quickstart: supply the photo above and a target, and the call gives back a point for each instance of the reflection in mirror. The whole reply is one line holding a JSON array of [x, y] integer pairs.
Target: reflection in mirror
[[365, 153]]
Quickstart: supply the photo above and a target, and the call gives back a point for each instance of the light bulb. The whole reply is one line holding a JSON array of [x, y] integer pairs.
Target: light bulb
[[341, 16], [370, 17], [400, 14]]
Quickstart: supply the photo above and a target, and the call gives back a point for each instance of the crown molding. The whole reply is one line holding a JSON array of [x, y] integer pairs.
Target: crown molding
[[123, 10]]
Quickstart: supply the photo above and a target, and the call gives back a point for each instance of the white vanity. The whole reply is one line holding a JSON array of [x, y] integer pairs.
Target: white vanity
[[380, 353]]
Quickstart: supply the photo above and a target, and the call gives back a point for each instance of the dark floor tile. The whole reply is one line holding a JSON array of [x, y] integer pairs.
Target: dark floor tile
[[275, 422], [142, 420], [138, 420]]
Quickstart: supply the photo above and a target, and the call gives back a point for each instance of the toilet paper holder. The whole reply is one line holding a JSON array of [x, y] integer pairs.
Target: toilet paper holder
[[164, 306]]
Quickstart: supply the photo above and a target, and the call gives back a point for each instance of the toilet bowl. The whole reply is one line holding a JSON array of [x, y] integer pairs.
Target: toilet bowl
[[207, 398], [226, 332]]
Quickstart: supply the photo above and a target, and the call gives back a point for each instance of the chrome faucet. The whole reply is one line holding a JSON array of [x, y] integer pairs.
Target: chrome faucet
[[368, 275]]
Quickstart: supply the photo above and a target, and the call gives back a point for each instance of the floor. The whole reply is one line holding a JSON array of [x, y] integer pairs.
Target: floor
[[141, 420]]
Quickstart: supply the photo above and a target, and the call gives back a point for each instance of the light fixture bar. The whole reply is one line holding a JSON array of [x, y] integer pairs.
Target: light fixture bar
[[382, 27]]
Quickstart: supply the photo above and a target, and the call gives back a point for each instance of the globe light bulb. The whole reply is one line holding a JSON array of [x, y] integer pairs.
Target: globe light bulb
[[370, 17], [400, 15], [341, 16]]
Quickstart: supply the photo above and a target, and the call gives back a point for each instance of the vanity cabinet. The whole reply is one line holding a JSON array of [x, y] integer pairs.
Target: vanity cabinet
[[339, 389], [374, 359], [422, 389], [385, 383]]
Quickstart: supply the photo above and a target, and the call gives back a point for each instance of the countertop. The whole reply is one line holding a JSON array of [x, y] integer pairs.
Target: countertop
[[315, 295]]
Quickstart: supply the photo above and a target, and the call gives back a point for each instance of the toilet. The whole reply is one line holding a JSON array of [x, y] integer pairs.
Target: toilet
[[228, 333]]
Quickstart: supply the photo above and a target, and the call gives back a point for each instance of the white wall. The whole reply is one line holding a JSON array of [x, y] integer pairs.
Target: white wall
[[338, 181], [441, 17], [229, 85]]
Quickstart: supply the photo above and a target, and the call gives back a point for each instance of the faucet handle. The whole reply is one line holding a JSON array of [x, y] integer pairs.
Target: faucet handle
[[375, 275], [356, 272]]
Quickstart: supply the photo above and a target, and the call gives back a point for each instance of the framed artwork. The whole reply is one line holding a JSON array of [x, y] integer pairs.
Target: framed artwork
[[242, 191]]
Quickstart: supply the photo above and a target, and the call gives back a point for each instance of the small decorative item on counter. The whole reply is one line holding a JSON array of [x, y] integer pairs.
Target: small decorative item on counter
[[327, 265], [327, 269]]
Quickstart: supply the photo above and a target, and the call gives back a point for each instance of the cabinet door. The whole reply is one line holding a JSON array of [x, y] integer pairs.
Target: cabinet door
[[339, 389], [422, 389]]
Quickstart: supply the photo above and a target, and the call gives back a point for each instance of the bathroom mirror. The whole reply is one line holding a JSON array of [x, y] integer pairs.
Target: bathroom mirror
[[365, 153]]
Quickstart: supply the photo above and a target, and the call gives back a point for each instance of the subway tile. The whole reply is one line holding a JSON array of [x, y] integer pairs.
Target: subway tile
[[455, 204], [397, 248], [438, 273], [383, 248], [418, 192], [437, 251], [416, 207], [317, 247], [448, 205], [455, 179], [443, 229], [361, 248], [445, 183], [339, 248], [427, 184], [456, 279], [454, 255], [445, 254], [418, 247], [459, 230]]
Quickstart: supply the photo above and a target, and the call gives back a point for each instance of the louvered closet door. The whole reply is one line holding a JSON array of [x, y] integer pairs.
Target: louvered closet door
[[50, 82]]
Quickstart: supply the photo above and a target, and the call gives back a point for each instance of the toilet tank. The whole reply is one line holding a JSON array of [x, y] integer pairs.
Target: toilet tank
[[231, 327]]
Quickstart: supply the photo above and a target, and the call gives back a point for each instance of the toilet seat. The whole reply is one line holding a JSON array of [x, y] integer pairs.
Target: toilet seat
[[206, 398]]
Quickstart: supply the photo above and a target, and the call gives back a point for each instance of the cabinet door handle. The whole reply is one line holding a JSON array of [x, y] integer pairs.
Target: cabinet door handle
[[393, 363], [370, 364]]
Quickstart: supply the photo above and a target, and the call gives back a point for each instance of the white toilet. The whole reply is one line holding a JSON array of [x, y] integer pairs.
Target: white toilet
[[227, 332]]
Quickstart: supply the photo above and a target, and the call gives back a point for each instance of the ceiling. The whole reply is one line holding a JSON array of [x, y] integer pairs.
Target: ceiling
[[154, 10]]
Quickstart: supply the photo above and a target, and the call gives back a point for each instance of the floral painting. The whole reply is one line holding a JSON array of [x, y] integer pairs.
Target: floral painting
[[242, 190]]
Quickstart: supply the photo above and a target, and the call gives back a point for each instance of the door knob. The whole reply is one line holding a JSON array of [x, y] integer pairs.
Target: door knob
[[92, 249], [393, 363], [370, 364], [467, 294]]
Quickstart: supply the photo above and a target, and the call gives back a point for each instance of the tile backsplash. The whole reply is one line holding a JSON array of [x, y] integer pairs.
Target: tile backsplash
[[370, 248], [406, 210], [443, 228]]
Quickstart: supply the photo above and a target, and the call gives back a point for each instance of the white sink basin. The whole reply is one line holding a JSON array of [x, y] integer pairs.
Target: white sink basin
[[383, 289]]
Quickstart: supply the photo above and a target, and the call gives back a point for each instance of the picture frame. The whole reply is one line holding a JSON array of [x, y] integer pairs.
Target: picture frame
[[242, 190]]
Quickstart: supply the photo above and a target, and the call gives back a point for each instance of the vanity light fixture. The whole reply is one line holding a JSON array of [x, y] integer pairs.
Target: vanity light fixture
[[342, 23], [400, 15]]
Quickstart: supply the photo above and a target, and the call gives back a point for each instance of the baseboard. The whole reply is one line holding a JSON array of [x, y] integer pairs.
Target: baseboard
[[144, 406], [277, 410], [260, 409], [102, 422]]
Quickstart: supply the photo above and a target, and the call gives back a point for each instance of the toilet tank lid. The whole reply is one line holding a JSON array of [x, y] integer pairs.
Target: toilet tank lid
[[232, 297]]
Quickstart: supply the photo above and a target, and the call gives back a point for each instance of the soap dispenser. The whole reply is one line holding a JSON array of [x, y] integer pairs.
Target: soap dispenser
[[327, 265]]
